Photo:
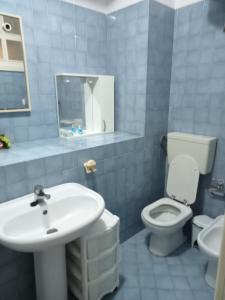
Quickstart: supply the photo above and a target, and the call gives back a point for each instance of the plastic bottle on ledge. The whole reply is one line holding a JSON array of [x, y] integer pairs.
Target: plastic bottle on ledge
[[80, 130], [73, 129]]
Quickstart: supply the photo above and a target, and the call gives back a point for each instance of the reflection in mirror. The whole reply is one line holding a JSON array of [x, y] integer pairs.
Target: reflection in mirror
[[14, 89], [85, 104], [71, 93]]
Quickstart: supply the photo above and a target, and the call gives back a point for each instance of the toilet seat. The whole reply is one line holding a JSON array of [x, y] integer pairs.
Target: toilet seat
[[166, 213], [181, 187], [166, 217], [183, 177]]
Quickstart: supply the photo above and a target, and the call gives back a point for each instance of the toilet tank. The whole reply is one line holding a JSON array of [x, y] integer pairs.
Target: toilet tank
[[201, 148]]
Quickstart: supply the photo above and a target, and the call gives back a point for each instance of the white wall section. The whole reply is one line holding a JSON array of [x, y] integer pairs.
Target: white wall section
[[109, 6], [97, 5], [176, 4], [114, 5], [169, 3], [183, 3]]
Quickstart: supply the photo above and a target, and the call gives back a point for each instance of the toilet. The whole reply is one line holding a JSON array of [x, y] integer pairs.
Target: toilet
[[188, 156]]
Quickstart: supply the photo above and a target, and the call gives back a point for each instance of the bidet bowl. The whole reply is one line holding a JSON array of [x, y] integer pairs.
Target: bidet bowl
[[209, 241], [210, 238]]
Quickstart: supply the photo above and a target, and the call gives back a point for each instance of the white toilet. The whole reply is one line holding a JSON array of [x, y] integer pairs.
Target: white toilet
[[188, 156]]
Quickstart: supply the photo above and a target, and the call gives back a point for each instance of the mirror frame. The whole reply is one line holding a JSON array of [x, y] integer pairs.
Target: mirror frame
[[99, 76], [28, 109]]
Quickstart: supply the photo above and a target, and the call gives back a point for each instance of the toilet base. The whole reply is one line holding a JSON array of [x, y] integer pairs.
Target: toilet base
[[163, 245], [211, 273]]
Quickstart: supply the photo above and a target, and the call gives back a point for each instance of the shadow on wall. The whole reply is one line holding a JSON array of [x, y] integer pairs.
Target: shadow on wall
[[216, 13]]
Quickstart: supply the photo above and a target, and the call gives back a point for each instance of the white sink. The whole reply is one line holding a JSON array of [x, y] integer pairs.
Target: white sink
[[72, 209]]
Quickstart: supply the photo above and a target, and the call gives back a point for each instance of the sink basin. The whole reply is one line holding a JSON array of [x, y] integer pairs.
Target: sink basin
[[71, 211]]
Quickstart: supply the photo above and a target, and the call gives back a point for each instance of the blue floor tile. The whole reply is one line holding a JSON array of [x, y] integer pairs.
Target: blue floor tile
[[203, 295], [185, 295], [144, 276], [149, 294], [131, 294], [166, 295], [147, 281], [180, 283], [164, 282], [161, 269], [176, 270]]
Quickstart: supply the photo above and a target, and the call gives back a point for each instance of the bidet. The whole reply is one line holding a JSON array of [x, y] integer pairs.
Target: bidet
[[209, 242]]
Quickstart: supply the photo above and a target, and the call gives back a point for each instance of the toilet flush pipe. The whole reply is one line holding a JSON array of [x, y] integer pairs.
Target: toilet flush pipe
[[220, 283]]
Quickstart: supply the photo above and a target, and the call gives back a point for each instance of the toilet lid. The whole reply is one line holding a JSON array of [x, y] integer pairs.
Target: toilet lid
[[183, 177]]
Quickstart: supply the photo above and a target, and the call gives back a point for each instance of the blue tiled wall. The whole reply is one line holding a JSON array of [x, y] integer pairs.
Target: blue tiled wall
[[160, 46], [197, 94], [127, 52], [59, 37], [131, 173]]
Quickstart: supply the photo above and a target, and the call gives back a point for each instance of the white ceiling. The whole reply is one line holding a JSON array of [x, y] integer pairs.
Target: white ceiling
[[109, 6]]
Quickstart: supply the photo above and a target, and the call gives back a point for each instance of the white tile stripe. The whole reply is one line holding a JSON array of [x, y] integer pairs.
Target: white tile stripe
[[176, 4], [183, 3], [114, 5], [109, 6]]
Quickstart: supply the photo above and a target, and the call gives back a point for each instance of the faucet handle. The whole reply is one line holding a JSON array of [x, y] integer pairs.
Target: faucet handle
[[39, 190]]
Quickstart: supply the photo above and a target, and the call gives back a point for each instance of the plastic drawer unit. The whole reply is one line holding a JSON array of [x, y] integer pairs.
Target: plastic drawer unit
[[92, 260]]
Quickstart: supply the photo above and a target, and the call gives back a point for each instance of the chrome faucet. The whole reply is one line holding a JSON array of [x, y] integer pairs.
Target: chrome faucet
[[39, 196]]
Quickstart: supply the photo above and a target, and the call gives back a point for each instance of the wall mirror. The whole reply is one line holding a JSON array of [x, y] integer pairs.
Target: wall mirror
[[14, 88], [85, 104]]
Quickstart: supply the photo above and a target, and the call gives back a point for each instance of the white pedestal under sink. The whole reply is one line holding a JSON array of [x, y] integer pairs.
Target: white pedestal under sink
[[50, 274], [71, 210]]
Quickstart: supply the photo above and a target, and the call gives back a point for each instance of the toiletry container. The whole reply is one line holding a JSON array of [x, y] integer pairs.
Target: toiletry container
[[198, 223], [92, 260]]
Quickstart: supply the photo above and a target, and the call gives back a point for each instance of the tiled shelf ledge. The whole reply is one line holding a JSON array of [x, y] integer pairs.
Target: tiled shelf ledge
[[27, 151], [55, 161]]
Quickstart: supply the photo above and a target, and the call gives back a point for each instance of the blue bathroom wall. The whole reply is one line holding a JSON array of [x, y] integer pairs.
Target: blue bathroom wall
[[59, 37], [130, 174], [197, 94], [160, 47], [127, 52]]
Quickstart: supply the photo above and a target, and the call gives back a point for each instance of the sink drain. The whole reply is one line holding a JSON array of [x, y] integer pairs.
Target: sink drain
[[51, 230]]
